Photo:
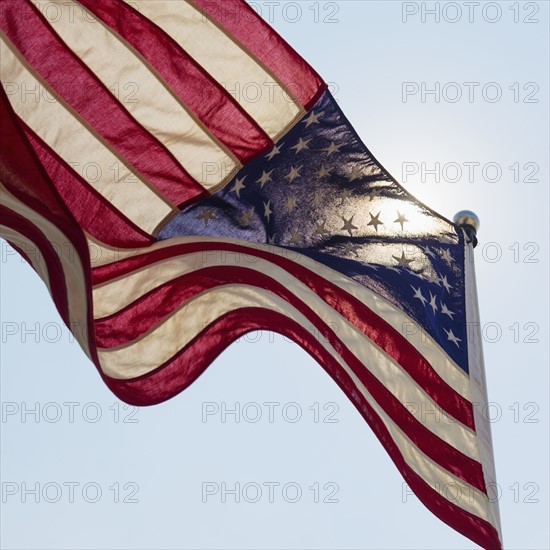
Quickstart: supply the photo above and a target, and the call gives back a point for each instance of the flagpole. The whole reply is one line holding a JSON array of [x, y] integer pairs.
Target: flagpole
[[469, 222]]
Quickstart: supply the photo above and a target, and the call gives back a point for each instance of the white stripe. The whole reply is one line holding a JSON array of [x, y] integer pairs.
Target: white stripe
[[258, 92], [75, 281], [150, 100], [190, 318], [82, 150], [180, 328], [447, 369], [450, 487]]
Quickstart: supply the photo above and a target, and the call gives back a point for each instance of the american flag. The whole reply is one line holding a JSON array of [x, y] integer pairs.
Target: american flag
[[207, 184]]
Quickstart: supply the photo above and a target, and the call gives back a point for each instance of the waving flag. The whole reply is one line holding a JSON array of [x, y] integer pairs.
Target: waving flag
[[179, 176]]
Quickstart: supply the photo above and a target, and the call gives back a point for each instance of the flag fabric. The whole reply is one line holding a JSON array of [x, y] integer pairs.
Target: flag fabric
[[178, 176]]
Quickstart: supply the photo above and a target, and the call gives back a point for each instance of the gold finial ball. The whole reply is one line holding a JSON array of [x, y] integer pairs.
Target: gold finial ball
[[467, 217]]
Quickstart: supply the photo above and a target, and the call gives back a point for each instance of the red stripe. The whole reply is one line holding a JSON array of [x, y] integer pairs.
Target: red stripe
[[247, 27], [56, 274], [94, 213], [357, 313], [167, 381], [149, 311], [24, 176], [212, 104], [91, 99]]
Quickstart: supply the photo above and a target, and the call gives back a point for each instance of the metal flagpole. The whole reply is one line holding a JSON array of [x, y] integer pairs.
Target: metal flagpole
[[469, 222]]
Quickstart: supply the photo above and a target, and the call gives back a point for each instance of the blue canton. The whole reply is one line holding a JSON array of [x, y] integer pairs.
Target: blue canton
[[321, 192]]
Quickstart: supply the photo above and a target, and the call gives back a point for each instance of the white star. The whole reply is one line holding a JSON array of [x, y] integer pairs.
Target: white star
[[401, 219], [290, 204], [296, 238], [293, 174], [428, 251], [267, 210], [239, 184], [320, 228], [446, 284], [403, 261], [446, 311], [352, 248], [433, 278], [206, 215], [247, 217], [372, 266], [355, 173], [348, 225], [312, 119], [275, 151], [317, 199], [323, 172], [433, 303], [373, 194], [393, 268], [332, 148], [375, 221], [418, 295], [446, 255], [345, 194], [301, 145], [271, 240], [265, 178], [452, 337]]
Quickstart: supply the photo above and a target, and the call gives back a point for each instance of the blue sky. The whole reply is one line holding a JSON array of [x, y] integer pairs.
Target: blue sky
[[178, 459]]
